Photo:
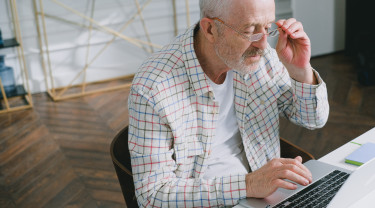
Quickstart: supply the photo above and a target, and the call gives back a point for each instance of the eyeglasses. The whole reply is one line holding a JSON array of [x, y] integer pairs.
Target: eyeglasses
[[254, 37]]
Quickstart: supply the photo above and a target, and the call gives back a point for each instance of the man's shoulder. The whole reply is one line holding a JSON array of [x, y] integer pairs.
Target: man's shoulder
[[166, 66], [160, 66]]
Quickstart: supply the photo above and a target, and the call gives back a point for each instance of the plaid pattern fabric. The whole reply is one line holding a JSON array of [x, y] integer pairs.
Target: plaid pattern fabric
[[172, 113]]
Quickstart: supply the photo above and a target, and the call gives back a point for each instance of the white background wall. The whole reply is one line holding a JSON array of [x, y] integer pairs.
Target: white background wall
[[67, 42], [323, 20]]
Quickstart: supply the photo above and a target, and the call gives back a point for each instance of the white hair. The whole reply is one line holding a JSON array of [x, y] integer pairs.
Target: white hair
[[214, 8]]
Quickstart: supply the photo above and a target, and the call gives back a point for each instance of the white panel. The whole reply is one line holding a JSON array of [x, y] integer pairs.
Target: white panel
[[324, 22], [283, 11], [67, 42], [283, 7]]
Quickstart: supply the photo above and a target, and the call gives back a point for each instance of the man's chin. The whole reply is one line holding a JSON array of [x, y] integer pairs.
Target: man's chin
[[248, 69], [253, 67]]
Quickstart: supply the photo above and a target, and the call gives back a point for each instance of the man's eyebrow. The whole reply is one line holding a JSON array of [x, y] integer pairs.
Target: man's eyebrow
[[254, 24], [248, 25]]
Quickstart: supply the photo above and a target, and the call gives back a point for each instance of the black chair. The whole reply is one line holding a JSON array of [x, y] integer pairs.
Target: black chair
[[290, 150], [121, 160]]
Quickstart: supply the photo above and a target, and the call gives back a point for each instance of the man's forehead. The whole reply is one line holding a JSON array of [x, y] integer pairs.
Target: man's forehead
[[252, 12], [252, 23]]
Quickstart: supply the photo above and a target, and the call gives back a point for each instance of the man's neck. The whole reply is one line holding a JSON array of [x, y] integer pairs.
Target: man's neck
[[211, 64]]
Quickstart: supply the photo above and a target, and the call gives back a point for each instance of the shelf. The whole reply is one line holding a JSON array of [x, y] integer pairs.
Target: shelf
[[19, 91], [8, 43], [21, 97]]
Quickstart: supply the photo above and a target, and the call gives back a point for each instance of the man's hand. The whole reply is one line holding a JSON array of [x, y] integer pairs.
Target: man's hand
[[267, 179], [294, 50]]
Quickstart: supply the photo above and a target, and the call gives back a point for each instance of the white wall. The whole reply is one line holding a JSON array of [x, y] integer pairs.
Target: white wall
[[283, 11], [324, 22], [68, 43]]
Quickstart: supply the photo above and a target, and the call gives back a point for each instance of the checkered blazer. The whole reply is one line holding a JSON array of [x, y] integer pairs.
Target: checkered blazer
[[173, 113]]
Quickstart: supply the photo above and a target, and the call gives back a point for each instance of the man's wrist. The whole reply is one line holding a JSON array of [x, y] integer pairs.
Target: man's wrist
[[312, 77], [248, 181], [305, 75]]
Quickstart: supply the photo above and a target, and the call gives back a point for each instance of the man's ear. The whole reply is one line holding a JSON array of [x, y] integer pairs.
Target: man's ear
[[208, 29]]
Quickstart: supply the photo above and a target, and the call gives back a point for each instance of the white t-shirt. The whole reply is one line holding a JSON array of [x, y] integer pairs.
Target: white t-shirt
[[227, 151]]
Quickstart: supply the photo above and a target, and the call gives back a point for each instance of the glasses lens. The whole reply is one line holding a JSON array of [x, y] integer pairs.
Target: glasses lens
[[273, 33], [256, 37]]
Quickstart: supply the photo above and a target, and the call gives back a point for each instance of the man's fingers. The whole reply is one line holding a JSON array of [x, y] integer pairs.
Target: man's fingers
[[282, 40], [288, 23], [278, 173], [299, 158], [300, 35], [296, 166], [295, 174], [294, 27], [290, 161], [298, 169], [306, 172], [279, 183], [280, 22]]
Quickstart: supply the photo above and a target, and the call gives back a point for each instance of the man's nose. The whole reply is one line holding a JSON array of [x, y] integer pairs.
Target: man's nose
[[261, 44]]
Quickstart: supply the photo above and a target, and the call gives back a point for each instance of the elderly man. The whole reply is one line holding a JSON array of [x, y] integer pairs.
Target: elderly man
[[204, 111]]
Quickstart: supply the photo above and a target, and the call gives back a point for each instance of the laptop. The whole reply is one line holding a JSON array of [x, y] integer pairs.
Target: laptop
[[332, 187]]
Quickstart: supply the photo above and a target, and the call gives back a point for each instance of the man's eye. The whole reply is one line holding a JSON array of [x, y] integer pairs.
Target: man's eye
[[268, 27], [248, 32]]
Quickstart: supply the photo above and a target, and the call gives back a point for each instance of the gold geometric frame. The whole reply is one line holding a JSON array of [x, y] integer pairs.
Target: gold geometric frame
[[60, 93], [23, 68]]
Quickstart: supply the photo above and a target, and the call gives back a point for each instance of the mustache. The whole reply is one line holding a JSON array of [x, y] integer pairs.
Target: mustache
[[254, 52]]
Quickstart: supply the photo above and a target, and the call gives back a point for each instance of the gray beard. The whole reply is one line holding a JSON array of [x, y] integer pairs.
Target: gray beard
[[240, 65]]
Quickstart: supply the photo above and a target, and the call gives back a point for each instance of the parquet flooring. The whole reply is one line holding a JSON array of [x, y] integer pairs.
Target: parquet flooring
[[57, 155]]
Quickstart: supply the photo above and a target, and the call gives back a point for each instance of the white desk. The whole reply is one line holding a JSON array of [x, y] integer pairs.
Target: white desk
[[337, 157]]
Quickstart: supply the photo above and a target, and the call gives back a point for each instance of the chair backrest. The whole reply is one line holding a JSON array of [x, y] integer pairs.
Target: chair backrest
[[290, 150], [121, 160]]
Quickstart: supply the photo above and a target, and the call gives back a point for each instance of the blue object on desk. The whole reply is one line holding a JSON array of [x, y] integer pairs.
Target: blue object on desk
[[360, 156]]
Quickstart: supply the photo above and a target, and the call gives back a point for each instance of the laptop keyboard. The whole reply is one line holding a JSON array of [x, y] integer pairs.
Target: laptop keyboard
[[318, 194]]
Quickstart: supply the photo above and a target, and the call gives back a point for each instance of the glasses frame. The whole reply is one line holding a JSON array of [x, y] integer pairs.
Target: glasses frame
[[253, 37]]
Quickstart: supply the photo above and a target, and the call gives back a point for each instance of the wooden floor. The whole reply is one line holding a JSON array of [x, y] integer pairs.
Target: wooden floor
[[57, 155]]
